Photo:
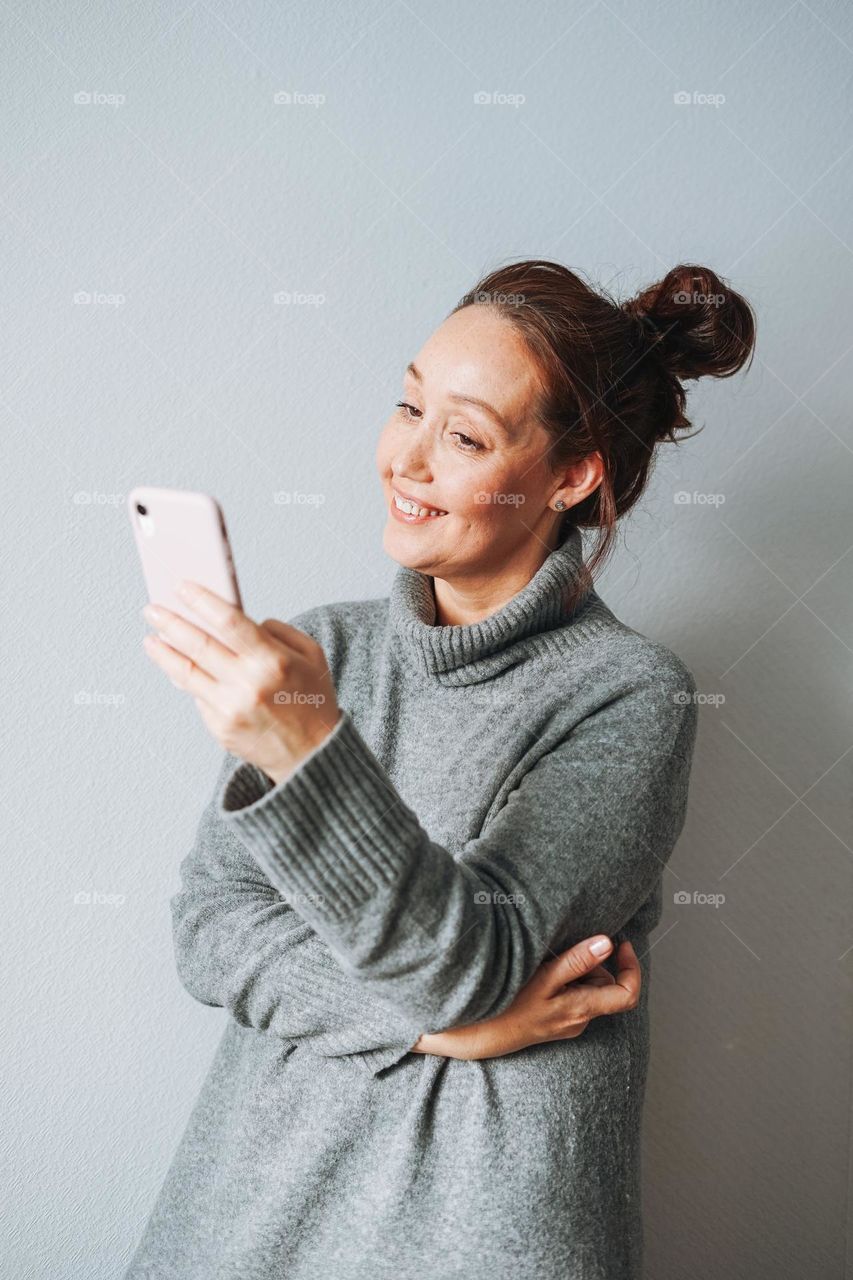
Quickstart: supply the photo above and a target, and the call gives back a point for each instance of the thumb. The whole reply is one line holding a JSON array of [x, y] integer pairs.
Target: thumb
[[577, 962]]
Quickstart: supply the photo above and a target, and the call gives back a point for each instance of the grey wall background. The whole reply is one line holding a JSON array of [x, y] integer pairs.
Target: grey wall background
[[181, 197]]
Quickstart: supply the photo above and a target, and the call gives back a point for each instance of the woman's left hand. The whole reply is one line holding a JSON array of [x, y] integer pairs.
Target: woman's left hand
[[558, 1003], [265, 692]]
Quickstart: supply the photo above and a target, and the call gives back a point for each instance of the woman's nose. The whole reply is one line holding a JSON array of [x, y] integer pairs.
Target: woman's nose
[[412, 458]]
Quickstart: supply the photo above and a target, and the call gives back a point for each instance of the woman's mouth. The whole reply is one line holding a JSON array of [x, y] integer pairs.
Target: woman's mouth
[[409, 511]]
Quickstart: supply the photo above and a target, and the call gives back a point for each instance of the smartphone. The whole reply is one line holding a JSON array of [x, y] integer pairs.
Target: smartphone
[[182, 534]]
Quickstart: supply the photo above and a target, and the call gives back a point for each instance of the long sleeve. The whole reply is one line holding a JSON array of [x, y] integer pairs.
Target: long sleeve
[[239, 945], [575, 847]]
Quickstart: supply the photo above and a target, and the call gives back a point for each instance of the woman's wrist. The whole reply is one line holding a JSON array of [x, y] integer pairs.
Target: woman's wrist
[[488, 1039]]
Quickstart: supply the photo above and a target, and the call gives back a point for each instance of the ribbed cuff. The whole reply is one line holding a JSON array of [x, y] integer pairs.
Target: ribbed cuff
[[375, 1060], [371, 1061], [387, 1033], [331, 835]]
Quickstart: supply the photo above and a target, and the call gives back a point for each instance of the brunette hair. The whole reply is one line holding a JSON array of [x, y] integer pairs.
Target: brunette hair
[[611, 373]]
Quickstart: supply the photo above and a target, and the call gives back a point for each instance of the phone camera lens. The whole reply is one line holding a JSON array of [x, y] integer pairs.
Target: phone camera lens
[[143, 511]]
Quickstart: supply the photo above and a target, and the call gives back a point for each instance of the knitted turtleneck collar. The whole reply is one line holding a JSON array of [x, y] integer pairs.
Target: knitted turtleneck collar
[[535, 618]]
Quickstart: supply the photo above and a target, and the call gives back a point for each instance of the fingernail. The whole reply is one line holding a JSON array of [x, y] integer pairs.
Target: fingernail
[[599, 947]]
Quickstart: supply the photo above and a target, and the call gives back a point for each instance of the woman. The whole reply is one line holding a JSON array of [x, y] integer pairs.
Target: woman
[[425, 800]]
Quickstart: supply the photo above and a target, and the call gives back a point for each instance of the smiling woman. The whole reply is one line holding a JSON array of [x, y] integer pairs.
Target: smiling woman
[[433, 806], [539, 391]]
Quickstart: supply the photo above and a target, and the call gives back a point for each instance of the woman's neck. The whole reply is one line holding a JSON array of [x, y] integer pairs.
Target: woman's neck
[[461, 601]]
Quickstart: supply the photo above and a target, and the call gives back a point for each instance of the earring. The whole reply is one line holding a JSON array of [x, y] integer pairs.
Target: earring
[[559, 505]]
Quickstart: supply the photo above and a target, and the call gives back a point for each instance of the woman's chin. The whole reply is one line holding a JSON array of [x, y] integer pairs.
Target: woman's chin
[[413, 546]]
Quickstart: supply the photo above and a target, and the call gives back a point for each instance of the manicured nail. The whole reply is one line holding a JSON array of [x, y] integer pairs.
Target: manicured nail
[[599, 947]]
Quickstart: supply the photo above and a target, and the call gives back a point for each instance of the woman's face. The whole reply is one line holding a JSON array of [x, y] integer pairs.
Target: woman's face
[[482, 465]]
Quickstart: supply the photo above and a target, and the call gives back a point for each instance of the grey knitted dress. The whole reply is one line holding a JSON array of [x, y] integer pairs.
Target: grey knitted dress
[[492, 794]]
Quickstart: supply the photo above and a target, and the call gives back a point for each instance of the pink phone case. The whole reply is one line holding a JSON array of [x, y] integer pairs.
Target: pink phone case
[[181, 534]]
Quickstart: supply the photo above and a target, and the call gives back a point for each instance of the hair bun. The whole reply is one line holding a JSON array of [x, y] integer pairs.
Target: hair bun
[[694, 323]]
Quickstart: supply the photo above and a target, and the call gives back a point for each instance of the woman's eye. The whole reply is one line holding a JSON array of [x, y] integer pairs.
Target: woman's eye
[[466, 443]]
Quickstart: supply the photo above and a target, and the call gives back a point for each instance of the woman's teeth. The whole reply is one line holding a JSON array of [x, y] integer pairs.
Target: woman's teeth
[[412, 509]]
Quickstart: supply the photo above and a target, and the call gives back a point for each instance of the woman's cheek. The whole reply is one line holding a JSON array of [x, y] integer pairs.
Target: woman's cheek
[[384, 450], [495, 497]]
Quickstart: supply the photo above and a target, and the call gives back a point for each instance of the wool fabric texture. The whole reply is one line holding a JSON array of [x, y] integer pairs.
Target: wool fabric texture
[[491, 794]]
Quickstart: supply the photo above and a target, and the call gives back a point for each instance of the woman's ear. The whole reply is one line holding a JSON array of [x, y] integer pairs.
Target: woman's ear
[[579, 480]]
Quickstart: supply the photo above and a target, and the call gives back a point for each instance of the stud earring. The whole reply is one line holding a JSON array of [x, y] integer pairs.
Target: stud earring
[[559, 505]]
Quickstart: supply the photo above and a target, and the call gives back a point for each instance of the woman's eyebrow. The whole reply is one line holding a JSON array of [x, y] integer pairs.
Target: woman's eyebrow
[[481, 404]]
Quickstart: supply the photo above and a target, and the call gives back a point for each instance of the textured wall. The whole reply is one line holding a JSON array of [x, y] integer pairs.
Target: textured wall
[[180, 199]]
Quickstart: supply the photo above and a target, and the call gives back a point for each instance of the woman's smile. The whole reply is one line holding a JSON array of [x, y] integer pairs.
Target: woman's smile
[[410, 511]]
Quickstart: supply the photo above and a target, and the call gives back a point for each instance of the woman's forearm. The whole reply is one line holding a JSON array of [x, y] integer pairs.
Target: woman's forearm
[[557, 1003], [487, 1039]]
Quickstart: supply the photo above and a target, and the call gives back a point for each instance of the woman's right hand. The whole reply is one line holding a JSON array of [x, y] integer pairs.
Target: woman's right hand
[[558, 1003]]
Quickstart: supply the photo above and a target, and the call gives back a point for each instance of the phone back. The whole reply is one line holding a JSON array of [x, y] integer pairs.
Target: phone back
[[181, 534]]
